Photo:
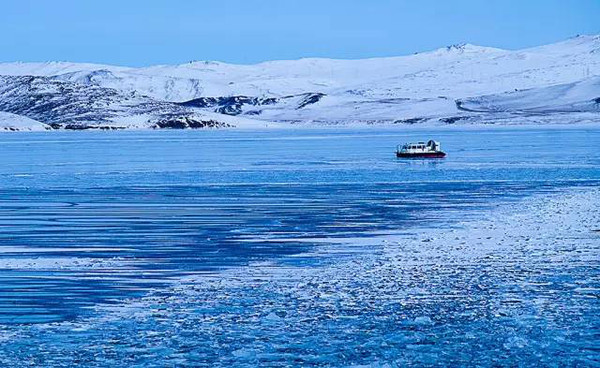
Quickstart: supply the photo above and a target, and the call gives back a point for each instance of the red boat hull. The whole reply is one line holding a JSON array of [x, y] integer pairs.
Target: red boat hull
[[421, 155]]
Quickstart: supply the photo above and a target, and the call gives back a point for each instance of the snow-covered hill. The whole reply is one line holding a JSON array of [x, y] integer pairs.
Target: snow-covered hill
[[13, 122], [577, 97], [62, 104], [456, 83]]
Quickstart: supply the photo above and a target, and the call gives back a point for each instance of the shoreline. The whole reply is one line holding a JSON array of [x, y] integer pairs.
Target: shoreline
[[275, 126]]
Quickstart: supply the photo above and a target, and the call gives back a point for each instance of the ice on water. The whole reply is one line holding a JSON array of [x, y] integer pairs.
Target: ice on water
[[312, 247]]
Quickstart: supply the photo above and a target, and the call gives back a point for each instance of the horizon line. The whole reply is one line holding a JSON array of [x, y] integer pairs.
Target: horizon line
[[459, 44]]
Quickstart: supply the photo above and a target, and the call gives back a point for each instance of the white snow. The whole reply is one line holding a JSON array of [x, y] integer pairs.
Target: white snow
[[11, 122], [423, 85], [571, 97], [460, 71]]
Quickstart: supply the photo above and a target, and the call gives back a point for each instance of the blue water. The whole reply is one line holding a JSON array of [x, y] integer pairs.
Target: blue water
[[160, 207]]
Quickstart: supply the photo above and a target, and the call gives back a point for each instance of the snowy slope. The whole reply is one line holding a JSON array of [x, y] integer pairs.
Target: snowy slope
[[583, 96], [416, 88], [69, 105], [461, 70], [13, 122]]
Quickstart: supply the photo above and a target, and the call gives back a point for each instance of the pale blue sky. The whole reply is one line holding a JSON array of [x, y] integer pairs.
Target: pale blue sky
[[133, 32]]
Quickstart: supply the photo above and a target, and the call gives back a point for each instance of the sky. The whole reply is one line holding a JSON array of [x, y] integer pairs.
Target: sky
[[139, 33]]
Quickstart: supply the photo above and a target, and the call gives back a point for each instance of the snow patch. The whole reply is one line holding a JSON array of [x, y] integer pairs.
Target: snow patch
[[14, 122]]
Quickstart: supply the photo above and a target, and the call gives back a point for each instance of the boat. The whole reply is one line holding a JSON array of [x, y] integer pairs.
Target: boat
[[431, 149]]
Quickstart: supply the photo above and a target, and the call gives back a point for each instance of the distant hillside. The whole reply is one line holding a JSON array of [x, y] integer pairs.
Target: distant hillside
[[56, 104], [459, 83]]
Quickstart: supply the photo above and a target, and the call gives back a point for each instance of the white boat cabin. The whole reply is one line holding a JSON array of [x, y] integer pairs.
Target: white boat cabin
[[421, 147]]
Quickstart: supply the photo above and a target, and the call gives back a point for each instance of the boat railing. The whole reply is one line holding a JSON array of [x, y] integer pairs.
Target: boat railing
[[424, 147]]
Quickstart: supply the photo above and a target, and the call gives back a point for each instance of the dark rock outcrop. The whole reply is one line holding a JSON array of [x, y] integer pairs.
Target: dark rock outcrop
[[232, 105], [409, 121], [235, 105], [188, 123], [452, 119], [73, 106], [310, 99]]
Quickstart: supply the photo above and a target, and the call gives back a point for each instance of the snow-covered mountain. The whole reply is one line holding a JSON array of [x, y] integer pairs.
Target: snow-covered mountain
[[68, 105], [14, 122], [561, 98], [460, 83]]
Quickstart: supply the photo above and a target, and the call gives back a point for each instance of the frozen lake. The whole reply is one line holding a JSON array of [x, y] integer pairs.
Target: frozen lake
[[97, 222]]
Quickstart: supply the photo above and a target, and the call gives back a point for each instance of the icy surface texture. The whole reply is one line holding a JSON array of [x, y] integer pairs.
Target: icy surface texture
[[284, 248]]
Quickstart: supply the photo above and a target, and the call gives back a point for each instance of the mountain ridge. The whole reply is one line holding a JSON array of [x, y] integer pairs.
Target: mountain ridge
[[424, 86]]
